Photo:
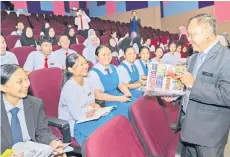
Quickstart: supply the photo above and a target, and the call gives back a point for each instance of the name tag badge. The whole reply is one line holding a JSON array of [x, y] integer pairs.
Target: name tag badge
[[207, 74], [51, 64], [89, 94]]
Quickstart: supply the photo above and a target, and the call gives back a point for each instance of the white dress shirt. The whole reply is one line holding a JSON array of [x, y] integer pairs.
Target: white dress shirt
[[85, 22]]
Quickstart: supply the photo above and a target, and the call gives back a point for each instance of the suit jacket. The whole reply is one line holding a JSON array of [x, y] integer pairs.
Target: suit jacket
[[207, 119], [138, 25], [35, 120]]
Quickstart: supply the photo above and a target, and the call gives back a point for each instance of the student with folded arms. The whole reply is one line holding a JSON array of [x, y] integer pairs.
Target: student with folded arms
[[128, 73]]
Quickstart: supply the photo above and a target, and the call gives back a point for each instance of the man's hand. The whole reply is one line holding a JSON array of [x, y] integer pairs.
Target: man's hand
[[187, 79], [58, 146]]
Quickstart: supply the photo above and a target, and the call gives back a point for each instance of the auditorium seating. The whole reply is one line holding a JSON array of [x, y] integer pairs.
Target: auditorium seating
[[22, 53], [51, 79], [78, 48], [153, 130], [116, 138], [11, 40]]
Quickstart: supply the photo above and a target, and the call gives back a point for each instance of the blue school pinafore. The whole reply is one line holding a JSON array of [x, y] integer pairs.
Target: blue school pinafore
[[134, 77], [145, 68]]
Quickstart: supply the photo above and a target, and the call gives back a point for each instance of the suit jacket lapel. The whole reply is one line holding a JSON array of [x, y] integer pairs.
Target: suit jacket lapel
[[5, 125], [212, 52], [29, 118]]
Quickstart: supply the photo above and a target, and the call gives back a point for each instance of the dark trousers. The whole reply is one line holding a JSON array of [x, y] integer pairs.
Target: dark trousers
[[192, 150], [83, 33]]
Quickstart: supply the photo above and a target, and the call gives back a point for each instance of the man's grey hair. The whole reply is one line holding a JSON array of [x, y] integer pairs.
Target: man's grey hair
[[206, 20]]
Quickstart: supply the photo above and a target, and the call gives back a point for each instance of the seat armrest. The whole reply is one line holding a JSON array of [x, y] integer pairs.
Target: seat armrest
[[62, 125], [180, 149], [173, 126]]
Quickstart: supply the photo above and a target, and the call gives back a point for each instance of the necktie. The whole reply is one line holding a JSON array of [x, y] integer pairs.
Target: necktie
[[15, 126], [146, 65], [199, 62], [46, 63], [107, 70], [132, 66], [66, 54], [81, 22]]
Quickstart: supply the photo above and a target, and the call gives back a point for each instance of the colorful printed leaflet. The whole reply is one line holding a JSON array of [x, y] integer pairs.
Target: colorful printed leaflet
[[161, 80]]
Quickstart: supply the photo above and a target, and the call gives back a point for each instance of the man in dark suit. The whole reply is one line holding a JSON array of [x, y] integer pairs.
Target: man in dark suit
[[205, 108]]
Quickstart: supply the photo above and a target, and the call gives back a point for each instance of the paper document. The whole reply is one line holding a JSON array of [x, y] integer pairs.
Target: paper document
[[33, 149], [98, 113]]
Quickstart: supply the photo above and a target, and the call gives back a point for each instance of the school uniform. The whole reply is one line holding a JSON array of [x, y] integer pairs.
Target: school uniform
[[16, 32], [74, 104], [151, 49], [36, 60], [107, 81], [128, 73], [60, 55], [9, 58], [142, 67], [168, 58]]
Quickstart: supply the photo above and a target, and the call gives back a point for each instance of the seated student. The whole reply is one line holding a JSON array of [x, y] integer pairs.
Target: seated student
[[77, 99], [22, 115], [105, 81], [178, 48], [72, 36], [89, 50], [43, 58], [44, 28], [60, 55], [114, 36], [184, 51], [137, 43], [67, 27], [125, 43], [91, 32], [148, 44], [142, 63], [19, 26], [6, 56], [128, 73], [113, 47], [172, 57], [158, 55], [51, 34], [26, 39], [126, 36]]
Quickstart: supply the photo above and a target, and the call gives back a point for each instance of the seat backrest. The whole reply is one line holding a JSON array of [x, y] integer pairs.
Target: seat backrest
[[105, 39], [90, 65], [116, 138], [78, 48], [11, 40], [55, 47], [46, 84], [151, 125], [114, 61], [22, 53], [80, 38], [7, 31]]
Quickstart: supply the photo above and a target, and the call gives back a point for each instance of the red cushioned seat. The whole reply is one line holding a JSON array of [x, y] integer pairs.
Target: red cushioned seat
[[116, 138], [78, 48], [11, 40]]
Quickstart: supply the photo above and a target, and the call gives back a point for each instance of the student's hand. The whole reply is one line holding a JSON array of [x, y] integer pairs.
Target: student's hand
[[144, 77], [94, 105], [90, 113], [187, 79], [143, 82], [124, 99], [58, 146], [128, 94]]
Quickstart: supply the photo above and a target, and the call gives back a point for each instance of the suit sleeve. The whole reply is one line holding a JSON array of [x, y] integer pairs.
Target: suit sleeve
[[218, 94], [43, 133]]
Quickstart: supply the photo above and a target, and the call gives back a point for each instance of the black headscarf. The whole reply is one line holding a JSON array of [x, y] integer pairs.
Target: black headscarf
[[137, 40], [73, 38], [54, 39], [44, 29], [113, 49], [125, 43], [25, 41]]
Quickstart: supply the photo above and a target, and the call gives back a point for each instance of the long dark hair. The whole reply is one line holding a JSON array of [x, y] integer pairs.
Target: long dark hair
[[6, 71], [69, 62], [25, 41]]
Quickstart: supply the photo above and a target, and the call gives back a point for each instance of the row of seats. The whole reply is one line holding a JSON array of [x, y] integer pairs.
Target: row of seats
[[149, 134]]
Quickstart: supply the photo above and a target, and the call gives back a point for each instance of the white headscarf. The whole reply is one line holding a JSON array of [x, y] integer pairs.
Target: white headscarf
[[89, 51], [90, 33]]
